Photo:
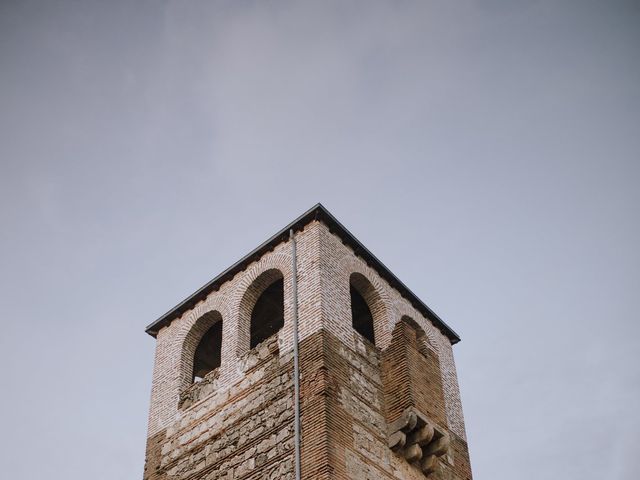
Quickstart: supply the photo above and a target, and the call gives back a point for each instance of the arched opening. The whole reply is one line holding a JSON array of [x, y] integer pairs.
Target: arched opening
[[208, 352], [361, 316], [267, 316]]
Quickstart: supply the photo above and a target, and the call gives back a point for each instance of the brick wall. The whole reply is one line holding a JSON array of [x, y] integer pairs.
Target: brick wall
[[411, 375], [238, 423]]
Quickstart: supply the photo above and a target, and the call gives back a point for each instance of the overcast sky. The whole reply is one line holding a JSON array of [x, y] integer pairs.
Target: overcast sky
[[488, 152]]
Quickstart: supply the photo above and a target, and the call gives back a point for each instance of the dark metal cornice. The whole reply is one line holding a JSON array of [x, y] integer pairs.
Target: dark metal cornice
[[320, 213]]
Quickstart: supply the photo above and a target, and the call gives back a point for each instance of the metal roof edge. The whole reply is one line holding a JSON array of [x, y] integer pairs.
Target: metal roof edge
[[317, 212]]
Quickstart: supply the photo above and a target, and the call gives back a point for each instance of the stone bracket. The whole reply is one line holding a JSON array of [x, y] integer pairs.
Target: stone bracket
[[413, 437]]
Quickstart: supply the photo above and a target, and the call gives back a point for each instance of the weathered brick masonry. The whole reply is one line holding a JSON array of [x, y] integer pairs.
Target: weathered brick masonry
[[389, 410]]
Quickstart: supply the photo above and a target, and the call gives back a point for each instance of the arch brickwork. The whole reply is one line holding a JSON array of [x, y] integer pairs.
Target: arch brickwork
[[249, 288], [374, 291]]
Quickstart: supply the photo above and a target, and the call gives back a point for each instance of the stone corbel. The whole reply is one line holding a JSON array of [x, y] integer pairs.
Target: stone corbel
[[419, 441]]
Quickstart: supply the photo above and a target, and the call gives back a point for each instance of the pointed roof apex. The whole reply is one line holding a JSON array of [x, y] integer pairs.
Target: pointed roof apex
[[320, 213]]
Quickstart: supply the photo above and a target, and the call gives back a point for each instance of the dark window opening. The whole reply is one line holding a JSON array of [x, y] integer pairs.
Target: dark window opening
[[208, 353], [267, 316], [361, 315]]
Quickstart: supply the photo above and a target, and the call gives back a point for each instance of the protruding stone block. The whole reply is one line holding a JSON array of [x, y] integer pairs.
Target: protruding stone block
[[423, 435], [429, 464], [413, 453], [439, 446], [406, 422], [397, 441]]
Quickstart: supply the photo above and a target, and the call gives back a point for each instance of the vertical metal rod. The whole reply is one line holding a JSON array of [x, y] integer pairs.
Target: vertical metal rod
[[296, 362]]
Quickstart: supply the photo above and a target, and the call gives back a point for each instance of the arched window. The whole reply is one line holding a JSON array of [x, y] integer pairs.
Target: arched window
[[361, 316], [208, 353], [261, 312], [267, 316]]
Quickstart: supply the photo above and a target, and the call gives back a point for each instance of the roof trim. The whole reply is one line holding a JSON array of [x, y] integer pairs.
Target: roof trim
[[320, 213]]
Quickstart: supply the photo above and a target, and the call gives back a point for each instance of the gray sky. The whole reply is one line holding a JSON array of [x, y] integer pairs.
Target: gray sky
[[487, 151]]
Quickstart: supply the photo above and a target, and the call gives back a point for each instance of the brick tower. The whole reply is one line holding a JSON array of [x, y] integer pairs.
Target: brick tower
[[377, 396]]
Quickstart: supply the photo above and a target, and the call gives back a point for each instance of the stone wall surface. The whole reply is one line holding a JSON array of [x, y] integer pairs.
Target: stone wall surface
[[344, 420], [244, 432], [238, 422]]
